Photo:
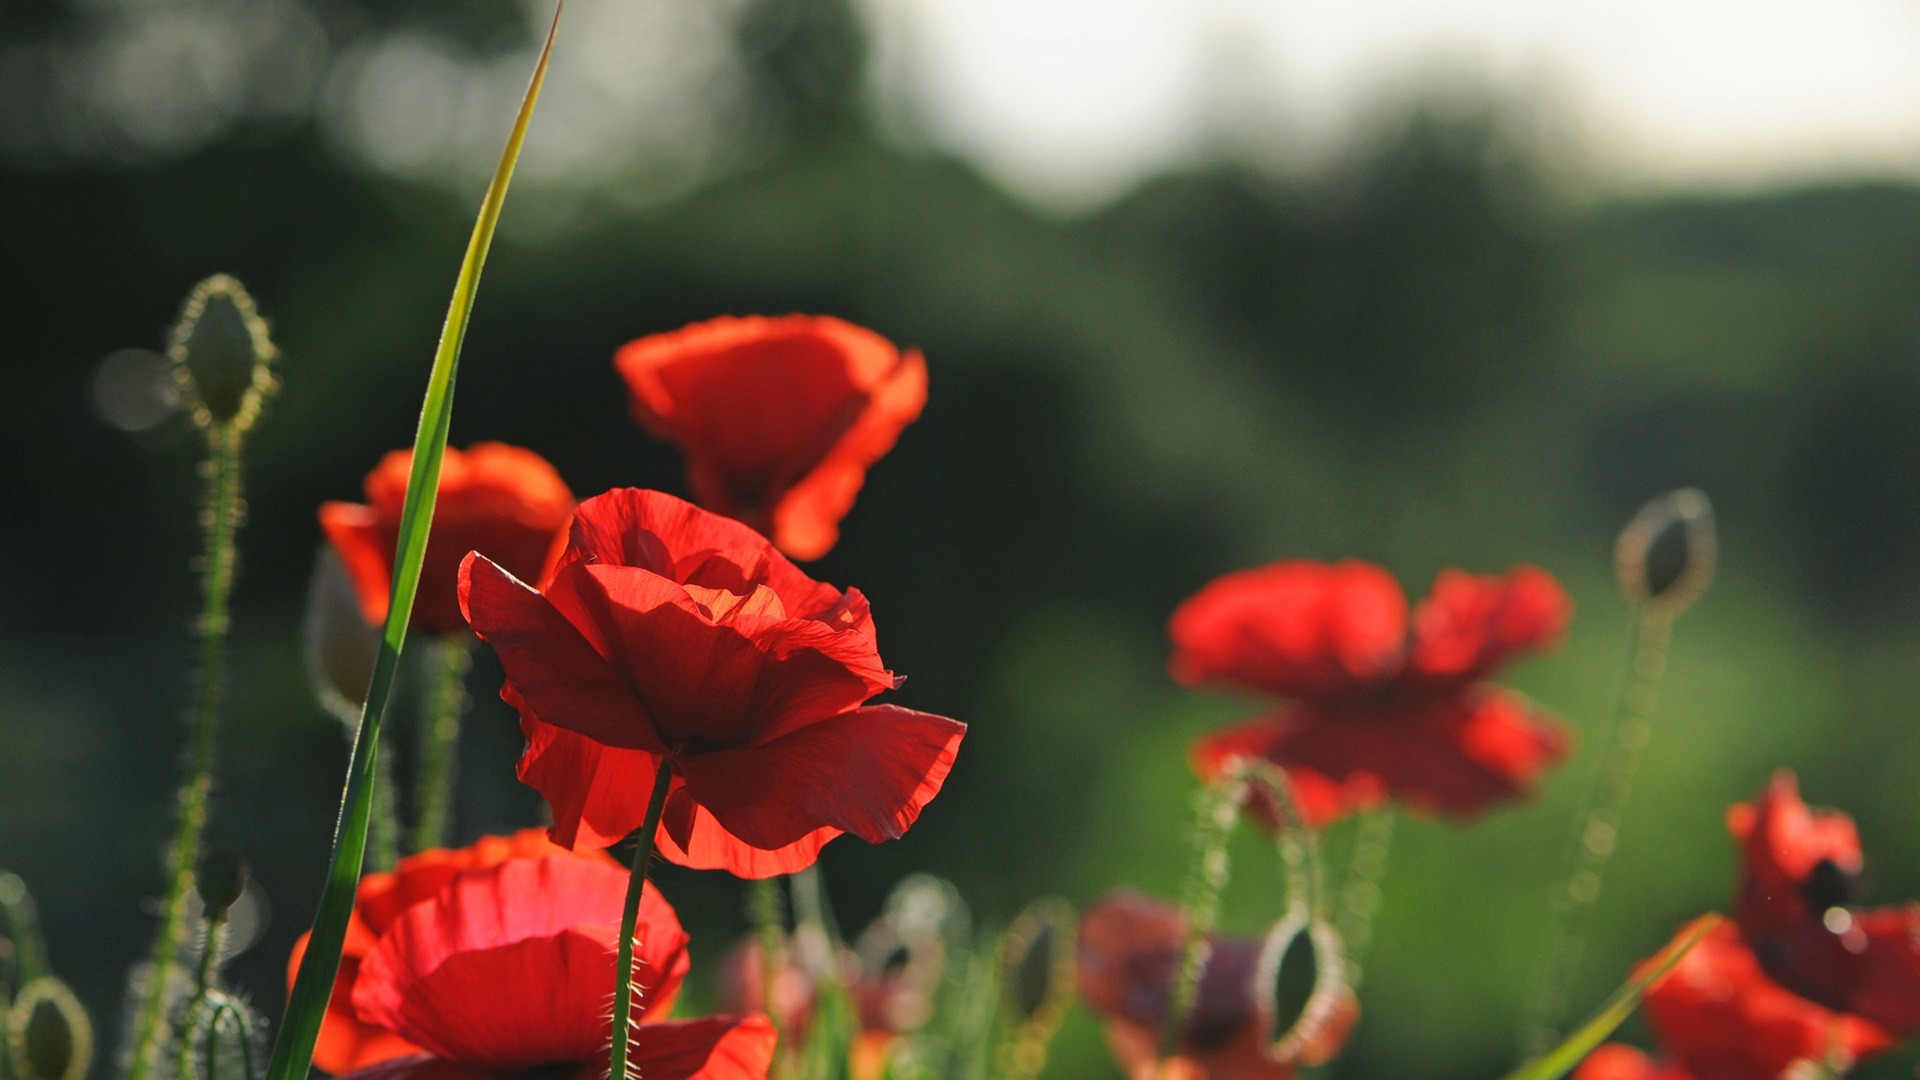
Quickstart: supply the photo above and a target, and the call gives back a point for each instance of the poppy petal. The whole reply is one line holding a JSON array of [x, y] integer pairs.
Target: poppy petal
[[690, 836], [867, 772], [806, 520], [710, 1048], [419, 1066], [1472, 623], [365, 547], [1616, 1061], [1293, 628], [548, 663], [508, 967], [597, 793]]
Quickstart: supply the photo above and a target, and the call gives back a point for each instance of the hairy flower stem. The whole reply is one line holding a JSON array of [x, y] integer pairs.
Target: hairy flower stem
[[439, 738], [1597, 829], [771, 931], [1372, 842], [623, 990], [383, 829], [221, 519], [1216, 808]]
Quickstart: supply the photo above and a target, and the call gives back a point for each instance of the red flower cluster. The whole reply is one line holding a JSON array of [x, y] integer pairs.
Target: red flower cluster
[[669, 637], [779, 418], [500, 500], [1375, 712], [497, 958], [1129, 954], [1799, 975]]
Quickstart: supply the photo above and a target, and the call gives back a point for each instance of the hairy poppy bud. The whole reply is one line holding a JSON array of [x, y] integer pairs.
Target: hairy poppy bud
[[1665, 556], [341, 648], [1036, 961], [220, 878], [48, 1034], [222, 355]]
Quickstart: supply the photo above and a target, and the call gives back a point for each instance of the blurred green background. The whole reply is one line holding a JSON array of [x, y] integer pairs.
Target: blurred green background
[[1444, 348]]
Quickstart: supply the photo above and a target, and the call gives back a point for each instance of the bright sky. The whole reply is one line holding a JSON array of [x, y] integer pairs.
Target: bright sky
[[1070, 100]]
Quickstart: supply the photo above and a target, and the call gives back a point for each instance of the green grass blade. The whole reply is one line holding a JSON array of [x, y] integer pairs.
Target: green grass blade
[[1561, 1059], [293, 1048]]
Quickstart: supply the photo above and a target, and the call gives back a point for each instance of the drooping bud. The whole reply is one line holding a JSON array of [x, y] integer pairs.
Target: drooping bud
[[222, 355], [340, 647], [48, 1034], [220, 878], [1665, 556]]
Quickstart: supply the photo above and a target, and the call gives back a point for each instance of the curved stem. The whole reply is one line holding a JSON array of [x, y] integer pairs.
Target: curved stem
[[1360, 888], [446, 703], [1597, 829], [221, 519], [623, 989], [1216, 810]]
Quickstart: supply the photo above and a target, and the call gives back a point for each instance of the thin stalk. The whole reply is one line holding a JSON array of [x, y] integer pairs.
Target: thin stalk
[[313, 986], [769, 928], [1217, 808], [1597, 829], [209, 957], [623, 988], [439, 738], [1372, 842], [383, 830], [221, 519]]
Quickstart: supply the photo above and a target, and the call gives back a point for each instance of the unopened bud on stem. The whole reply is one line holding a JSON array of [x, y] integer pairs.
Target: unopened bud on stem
[[222, 355], [48, 1034], [1665, 556]]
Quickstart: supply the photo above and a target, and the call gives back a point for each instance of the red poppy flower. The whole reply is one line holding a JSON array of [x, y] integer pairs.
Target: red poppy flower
[[1798, 891], [1719, 1017], [1129, 953], [669, 636], [346, 1042], [504, 972], [494, 498], [1375, 712], [779, 418]]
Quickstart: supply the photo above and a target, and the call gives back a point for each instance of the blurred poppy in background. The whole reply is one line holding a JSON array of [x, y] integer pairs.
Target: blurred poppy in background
[[1373, 712], [779, 418], [501, 500], [670, 637]]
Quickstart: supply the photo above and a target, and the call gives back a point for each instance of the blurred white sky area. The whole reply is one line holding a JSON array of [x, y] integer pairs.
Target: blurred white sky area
[[1072, 99], [1067, 101]]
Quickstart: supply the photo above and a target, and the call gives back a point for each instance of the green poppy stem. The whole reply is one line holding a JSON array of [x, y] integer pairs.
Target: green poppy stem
[[221, 519], [383, 828], [1597, 829], [623, 992], [1216, 808], [770, 931], [1371, 843], [439, 739]]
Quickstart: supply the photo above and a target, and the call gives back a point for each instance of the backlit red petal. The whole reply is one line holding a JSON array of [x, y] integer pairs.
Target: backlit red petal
[[1615, 1061], [597, 793], [806, 519], [1471, 624], [1781, 842], [549, 664], [868, 772], [1292, 628], [710, 1048]]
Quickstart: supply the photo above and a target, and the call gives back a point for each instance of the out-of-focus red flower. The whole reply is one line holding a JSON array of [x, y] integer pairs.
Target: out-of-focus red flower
[[779, 418], [504, 971], [1719, 1017], [500, 500], [669, 636], [346, 1041], [1798, 907], [1375, 710], [1129, 955]]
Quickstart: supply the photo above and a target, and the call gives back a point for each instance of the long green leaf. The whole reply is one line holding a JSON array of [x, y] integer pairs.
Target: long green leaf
[[293, 1048], [1614, 1011]]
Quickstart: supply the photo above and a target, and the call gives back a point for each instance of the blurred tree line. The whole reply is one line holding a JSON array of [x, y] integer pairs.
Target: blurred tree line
[[1439, 350]]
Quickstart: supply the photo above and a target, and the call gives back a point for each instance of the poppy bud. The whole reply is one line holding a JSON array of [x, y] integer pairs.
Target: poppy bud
[[1036, 962], [222, 355], [1665, 556], [340, 647], [220, 878], [48, 1034]]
